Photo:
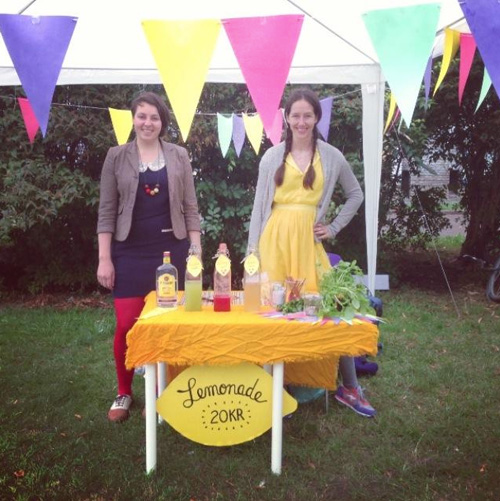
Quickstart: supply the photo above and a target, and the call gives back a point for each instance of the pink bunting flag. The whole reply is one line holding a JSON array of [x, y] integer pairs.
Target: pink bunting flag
[[37, 47], [467, 51], [482, 17], [30, 121], [277, 128], [264, 48]]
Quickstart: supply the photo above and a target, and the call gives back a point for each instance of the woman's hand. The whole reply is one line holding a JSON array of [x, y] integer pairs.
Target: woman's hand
[[106, 273], [321, 231]]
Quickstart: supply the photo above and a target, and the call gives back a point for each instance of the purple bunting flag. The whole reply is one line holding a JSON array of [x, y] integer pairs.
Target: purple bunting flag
[[326, 116], [238, 133], [37, 47], [483, 19]]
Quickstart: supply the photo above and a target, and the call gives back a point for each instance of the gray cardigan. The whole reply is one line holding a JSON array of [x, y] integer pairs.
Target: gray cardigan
[[335, 168]]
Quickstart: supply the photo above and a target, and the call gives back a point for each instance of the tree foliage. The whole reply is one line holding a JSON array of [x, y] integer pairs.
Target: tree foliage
[[469, 140]]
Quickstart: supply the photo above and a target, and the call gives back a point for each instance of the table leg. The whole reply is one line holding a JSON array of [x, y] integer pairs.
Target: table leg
[[161, 383], [277, 419], [150, 395]]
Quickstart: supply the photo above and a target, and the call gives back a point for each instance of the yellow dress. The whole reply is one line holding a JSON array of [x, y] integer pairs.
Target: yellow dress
[[288, 249]]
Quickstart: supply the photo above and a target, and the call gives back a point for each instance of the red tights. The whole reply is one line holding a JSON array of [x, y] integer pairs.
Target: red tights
[[127, 310]]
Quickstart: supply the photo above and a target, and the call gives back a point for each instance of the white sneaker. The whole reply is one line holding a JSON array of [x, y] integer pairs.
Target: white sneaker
[[119, 411]]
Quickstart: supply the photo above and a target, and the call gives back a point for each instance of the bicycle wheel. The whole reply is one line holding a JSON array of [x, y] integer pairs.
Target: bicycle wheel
[[493, 287]]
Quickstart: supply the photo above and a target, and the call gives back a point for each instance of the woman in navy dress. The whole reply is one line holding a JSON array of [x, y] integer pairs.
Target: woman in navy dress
[[147, 206]]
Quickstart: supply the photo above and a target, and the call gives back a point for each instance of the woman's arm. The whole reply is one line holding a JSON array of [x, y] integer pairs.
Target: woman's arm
[[105, 269]]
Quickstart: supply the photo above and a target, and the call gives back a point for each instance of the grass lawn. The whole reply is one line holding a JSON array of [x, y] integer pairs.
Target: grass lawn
[[437, 434]]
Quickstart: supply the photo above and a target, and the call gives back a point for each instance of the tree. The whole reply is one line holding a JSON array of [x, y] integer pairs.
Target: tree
[[469, 140]]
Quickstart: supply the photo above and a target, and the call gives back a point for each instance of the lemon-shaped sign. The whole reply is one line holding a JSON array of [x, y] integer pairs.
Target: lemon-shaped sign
[[251, 264], [223, 265], [193, 266], [221, 405]]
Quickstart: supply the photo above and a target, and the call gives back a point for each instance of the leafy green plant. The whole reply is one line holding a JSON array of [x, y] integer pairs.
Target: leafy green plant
[[292, 306], [342, 295]]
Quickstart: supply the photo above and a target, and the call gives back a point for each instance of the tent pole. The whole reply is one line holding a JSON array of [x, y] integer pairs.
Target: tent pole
[[26, 7], [373, 123]]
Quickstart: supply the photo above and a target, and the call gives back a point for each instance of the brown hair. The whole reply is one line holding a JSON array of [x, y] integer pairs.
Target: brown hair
[[312, 99], [156, 101]]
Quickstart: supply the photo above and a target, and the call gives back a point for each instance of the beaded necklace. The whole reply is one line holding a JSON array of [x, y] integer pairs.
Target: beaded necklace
[[155, 166]]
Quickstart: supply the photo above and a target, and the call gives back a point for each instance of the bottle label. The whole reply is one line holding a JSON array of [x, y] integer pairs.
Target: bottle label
[[251, 264], [223, 265], [166, 286], [193, 266]]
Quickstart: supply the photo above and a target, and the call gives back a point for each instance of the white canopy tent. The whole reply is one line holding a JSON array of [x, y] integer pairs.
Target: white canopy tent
[[109, 47]]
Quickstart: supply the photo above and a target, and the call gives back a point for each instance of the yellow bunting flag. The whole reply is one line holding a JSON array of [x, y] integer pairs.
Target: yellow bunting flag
[[182, 51], [122, 124], [392, 109], [451, 44], [254, 130]]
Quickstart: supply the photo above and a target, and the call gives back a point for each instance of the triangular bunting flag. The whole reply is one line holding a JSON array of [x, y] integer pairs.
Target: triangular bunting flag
[[326, 116], [427, 79], [485, 87], [397, 115], [122, 121], [238, 133], [277, 129], [451, 43], [467, 51], [392, 108], [182, 51], [264, 48], [254, 129], [37, 46], [225, 131], [403, 39], [483, 19], [30, 121]]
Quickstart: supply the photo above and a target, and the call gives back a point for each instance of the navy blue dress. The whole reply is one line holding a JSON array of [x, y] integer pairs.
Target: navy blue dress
[[137, 258]]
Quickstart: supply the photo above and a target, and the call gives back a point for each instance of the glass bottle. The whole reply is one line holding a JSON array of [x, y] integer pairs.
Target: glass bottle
[[222, 279], [252, 285], [166, 283], [193, 281]]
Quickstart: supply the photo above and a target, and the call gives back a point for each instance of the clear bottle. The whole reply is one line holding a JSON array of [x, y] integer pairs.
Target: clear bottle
[[166, 283], [222, 279], [193, 280], [252, 282]]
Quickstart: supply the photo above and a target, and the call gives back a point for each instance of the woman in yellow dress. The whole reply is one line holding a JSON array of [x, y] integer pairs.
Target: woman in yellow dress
[[294, 189]]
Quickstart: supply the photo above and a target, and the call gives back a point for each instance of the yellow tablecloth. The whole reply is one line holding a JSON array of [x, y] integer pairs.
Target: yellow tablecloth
[[196, 338]]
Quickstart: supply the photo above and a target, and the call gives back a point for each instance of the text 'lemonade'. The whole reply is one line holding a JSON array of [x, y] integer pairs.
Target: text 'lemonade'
[[166, 283], [193, 282], [222, 279]]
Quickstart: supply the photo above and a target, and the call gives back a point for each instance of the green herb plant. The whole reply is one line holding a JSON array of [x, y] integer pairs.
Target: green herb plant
[[292, 306], [342, 295]]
